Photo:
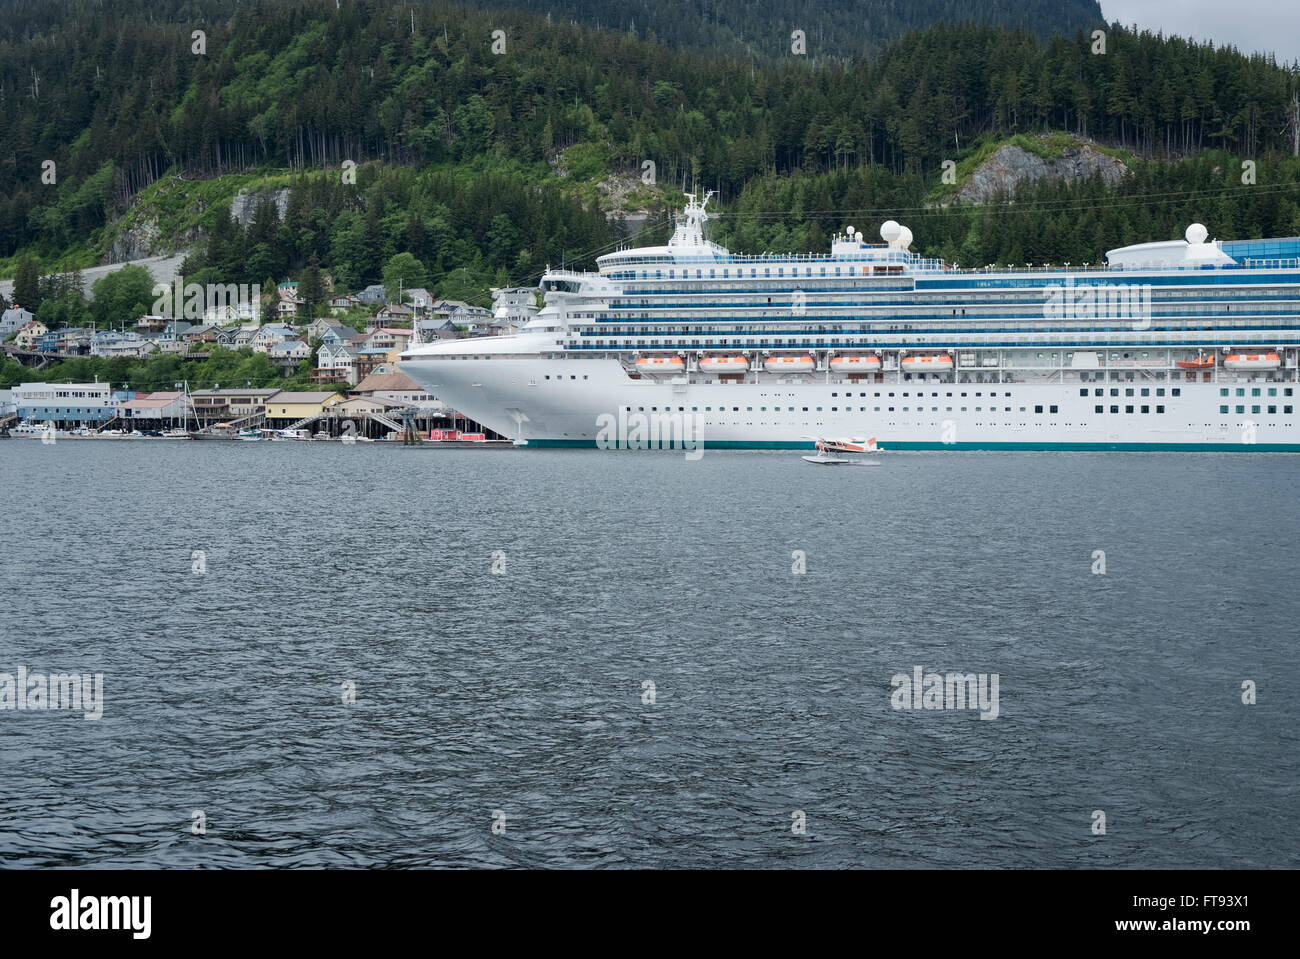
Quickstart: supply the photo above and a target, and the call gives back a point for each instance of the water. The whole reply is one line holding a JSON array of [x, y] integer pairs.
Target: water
[[521, 692]]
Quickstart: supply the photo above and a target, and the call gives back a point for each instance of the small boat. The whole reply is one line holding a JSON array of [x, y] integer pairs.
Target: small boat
[[927, 363], [1252, 361], [176, 434], [661, 364], [724, 364], [250, 434], [790, 363], [855, 363], [1200, 363], [292, 435], [221, 431]]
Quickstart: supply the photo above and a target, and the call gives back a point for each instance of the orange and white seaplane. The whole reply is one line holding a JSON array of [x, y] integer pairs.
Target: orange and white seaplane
[[831, 452]]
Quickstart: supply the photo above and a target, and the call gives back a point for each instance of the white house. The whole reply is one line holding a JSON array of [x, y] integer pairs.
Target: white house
[[12, 320], [265, 337], [335, 363], [288, 353]]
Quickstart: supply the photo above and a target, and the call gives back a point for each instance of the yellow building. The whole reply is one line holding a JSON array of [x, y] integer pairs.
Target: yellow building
[[286, 405]]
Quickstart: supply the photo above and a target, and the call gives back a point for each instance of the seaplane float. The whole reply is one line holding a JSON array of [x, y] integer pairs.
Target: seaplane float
[[831, 452]]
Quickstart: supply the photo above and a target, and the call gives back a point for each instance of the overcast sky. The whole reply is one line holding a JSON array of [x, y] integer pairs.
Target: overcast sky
[[1264, 26]]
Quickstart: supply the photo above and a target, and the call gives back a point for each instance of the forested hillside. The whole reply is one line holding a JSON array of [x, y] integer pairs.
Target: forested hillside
[[483, 165], [846, 28]]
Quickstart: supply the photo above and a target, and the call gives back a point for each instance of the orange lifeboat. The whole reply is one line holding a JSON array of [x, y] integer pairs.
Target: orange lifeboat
[[855, 363], [927, 363], [790, 363], [1200, 363], [661, 364], [1252, 361], [724, 364]]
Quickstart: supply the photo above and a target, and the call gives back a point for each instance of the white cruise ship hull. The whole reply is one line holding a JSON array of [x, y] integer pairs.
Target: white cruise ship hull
[[572, 401]]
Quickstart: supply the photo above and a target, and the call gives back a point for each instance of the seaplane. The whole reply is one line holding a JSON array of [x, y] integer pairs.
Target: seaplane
[[830, 452]]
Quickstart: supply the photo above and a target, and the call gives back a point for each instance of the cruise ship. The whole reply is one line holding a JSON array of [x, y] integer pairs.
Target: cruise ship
[[1190, 344]]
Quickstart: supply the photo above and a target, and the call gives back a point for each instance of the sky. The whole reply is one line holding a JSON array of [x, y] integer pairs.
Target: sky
[[1252, 26]]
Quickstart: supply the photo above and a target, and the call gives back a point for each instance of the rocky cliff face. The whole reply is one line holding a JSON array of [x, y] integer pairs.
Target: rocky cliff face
[[245, 203], [1010, 166]]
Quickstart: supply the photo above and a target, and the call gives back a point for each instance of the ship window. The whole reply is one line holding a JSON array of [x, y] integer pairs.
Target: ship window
[[1084, 391], [1129, 391], [1128, 409], [1272, 409], [1114, 392], [1224, 392], [1098, 409], [1052, 409], [1254, 409], [1176, 392], [1160, 409], [1286, 391], [1272, 391], [1255, 391], [1037, 409], [1241, 392], [1114, 409], [1146, 409], [1145, 391], [1286, 409], [1223, 409], [1241, 409], [835, 409], [805, 409]]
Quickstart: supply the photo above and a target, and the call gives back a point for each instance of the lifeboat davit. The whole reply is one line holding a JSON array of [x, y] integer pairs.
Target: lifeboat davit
[[1252, 361], [855, 363], [927, 363], [1200, 363], [790, 363], [724, 364], [661, 364]]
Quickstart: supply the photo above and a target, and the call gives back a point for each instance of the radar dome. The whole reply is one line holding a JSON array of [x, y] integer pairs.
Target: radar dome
[[889, 231], [904, 237], [1196, 233], [851, 231]]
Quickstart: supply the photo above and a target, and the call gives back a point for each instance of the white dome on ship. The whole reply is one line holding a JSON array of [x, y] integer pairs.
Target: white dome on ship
[[1196, 233], [889, 231]]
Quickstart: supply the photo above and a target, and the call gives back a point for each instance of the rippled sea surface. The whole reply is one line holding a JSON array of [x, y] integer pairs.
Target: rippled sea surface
[[523, 693]]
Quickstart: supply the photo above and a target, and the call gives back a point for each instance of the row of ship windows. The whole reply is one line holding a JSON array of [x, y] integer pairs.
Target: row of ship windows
[[1146, 391], [862, 409]]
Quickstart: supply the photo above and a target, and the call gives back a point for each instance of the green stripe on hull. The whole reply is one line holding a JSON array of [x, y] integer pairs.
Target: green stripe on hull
[[973, 447]]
